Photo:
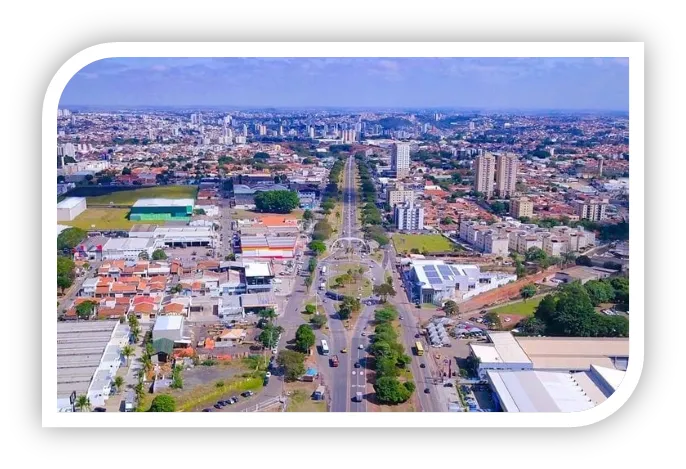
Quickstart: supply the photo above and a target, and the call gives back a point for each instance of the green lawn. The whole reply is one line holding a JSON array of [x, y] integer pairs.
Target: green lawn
[[350, 289], [301, 401], [521, 308], [404, 243], [102, 219], [130, 197]]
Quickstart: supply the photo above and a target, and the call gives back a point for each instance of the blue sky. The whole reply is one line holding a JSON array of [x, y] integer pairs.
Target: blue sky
[[484, 83]]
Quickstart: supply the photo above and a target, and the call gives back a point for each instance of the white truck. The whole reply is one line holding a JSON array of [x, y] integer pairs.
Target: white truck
[[322, 285], [323, 270]]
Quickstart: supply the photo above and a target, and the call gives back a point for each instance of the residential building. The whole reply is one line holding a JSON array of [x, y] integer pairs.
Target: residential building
[[521, 207], [591, 209], [70, 208], [400, 159], [409, 217], [484, 174], [399, 196], [434, 281], [506, 174]]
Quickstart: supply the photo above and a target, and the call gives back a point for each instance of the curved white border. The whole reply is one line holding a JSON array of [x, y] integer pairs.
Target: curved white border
[[634, 51]]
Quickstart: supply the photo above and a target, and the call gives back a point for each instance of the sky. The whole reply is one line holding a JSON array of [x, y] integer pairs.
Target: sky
[[479, 83]]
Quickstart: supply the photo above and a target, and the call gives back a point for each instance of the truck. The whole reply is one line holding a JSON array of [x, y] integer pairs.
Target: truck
[[322, 285], [334, 361], [323, 270]]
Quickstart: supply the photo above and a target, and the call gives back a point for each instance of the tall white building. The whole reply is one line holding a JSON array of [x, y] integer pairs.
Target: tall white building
[[485, 173], [400, 159], [409, 217], [310, 132], [348, 136], [506, 174]]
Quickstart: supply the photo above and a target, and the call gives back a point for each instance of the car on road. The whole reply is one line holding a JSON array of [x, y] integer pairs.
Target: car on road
[[99, 409], [448, 384], [268, 375], [217, 406], [416, 336], [345, 350], [427, 390], [207, 410], [234, 399], [400, 317], [363, 334], [361, 347], [357, 365], [247, 393], [422, 365]]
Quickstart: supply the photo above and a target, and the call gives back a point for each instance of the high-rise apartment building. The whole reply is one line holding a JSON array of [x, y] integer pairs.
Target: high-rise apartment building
[[310, 132], [400, 159], [348, 136], [485, 174], [521, 207], [591, 209], [399, 196], [506, 174], [409, 217]]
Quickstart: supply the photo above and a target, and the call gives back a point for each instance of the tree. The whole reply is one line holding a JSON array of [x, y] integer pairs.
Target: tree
[[574, 315], [293, 364], [118, 383], [144, 256], [384, 290], [127, 351], [177, 379], [178, 288], [318, 247], [269, 335], [158, 255], [267, 313], [230, 257], [83, 403], [163, 403], [318, 320], [447, 221], [85, 309], [494, 319], [546, 309], [599, 291], [390, 391], [304, 338], [569, 257], [63, 282], [65, 272], [126, 171], [344, 312], [520, 270], [535, 254], [70, 238], [527, 291], [276, 201], [386, 314], [308, 215], [531, 326], [584, 260], [451, 308], [310, 308], [620, 286]]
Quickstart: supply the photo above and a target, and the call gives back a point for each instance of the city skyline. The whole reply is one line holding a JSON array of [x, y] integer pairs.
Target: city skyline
[[570, 84]]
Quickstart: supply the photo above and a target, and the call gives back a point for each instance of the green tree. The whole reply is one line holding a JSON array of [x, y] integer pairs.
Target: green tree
[[384, 290], [70, 238], [177, 378], [546, 309], [83, 403], [386, 314], [447, 221], [390, 391], [127, 352], [230, 257], [163, 403], [310, 308], [63, 282], [527, 291], [599, 291], [584, 260], [318, 247], [494, 319], [308, 215], [535, 254], [531, 326], [620, 286], [344, 312], [158, 255], [520, 270], [270, 335], [304, 338], [86, 309], [451, 308], [126, 171], [268, 314], [276, 201], [574, 315], [318, 320], [118, 383], [293, 364], [65, 272]]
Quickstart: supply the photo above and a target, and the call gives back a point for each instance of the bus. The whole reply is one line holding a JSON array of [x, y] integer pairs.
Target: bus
[[325, 347], [418, 348]]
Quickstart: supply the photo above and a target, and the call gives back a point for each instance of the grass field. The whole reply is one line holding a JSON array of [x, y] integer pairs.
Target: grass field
[[521, 308], [404, 243], [361, 286], [102, 219], [130, 197]]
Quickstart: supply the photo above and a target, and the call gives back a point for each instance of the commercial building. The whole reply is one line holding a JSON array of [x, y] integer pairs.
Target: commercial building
[[270, 247], [503, 353], [591, 209], [521, 207], [70, 208], [88, 357], [506, 174], [175, 236], [171, 327], [129, 248], [484, 166], [400, 159], [434, 281], [399, 196], [162, 210], [259, 277], [576, 353], [409, 217]]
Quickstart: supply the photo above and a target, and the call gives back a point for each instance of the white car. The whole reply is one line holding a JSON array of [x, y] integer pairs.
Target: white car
[[508, 319], [360, 346]]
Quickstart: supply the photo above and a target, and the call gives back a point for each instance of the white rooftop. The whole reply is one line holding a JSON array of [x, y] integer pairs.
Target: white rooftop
[[168, 323], [127, 244], [70, 202], [164, 203], [257, 269], [486, 353], [508, 348]]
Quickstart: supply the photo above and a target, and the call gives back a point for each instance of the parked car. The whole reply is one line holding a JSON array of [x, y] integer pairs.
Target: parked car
[[427, 390], [99, 409], [217, 406], [357, 365], [207, 410], [422, 365], [247, 393]]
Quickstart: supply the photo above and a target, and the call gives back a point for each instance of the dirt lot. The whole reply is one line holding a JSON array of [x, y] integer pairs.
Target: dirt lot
[[501, 294]]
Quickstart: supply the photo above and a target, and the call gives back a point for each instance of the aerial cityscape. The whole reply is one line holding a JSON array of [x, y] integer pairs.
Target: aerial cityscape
[[343, 235]]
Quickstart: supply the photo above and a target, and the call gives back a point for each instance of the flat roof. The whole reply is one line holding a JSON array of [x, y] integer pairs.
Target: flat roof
[[573, 353], [164, 203], [80, 348], [540, 391], [508, 348], [486, 353], [258, 269], [71, 202], [128, 244], [168, 323], [254, 300]]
